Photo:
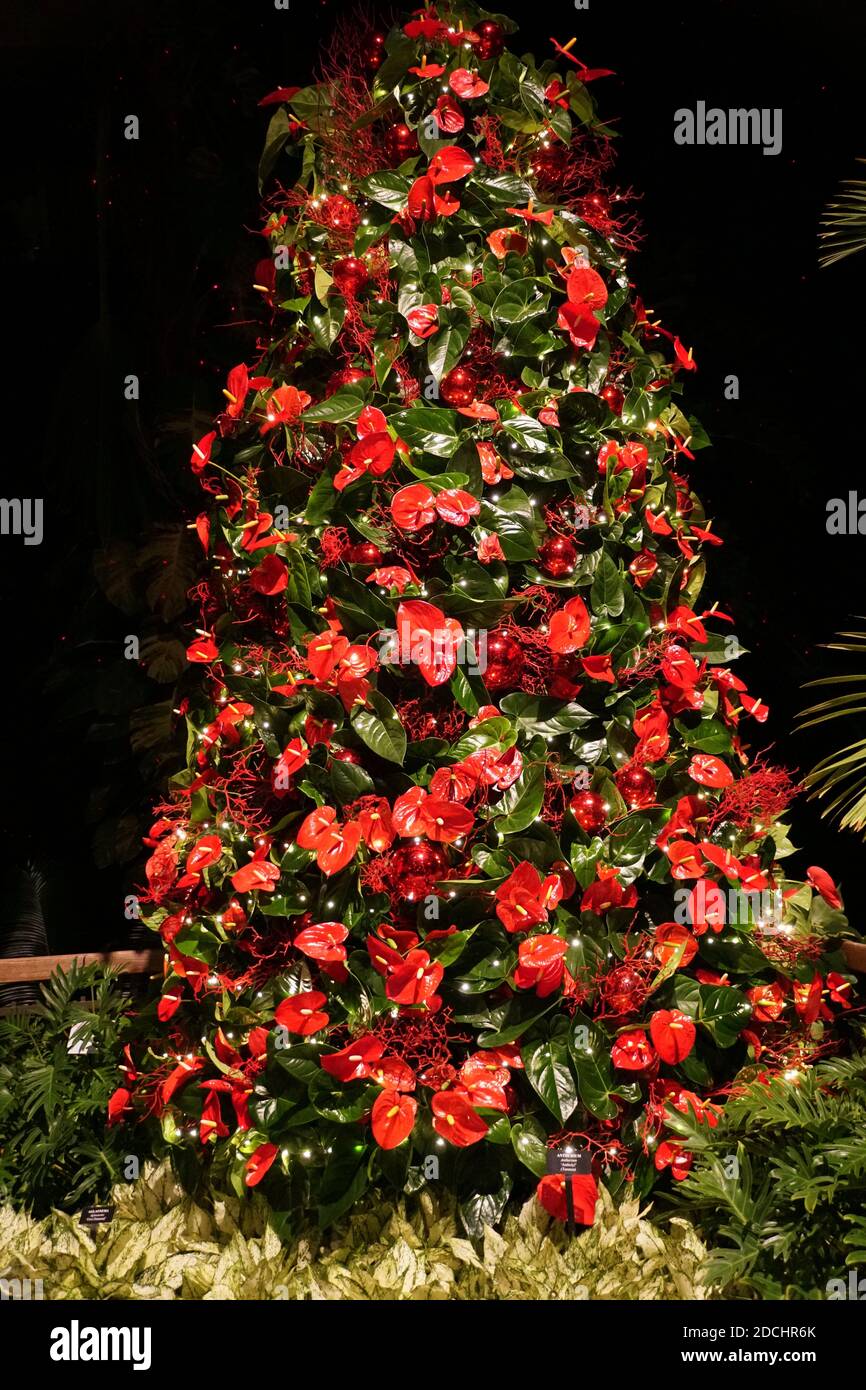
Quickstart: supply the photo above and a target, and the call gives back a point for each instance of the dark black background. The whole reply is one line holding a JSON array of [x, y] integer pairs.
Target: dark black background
[[136, 257]]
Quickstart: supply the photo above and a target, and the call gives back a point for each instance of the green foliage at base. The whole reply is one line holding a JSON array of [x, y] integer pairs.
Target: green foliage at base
[[788, 1217], [162, 1245], [55, 1149]]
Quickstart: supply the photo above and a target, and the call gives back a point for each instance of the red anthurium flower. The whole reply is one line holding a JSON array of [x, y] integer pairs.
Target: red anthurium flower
[[821, 880], [353, 1062], [449, 164], [686, 860], [169, 1004], [606, 893], [569, 628], [413, 507], [201, 452], [506, 239], [598, 668], [455, 1120], [541, 964], [258, 1163], [707, 907], [415, 980], [721, 859], [488, 549], [580, 324], [391, 577], [285, 406], [445, 821], [203, 649], [430, 638], [672, 938], [448, 115], [205, 852], [406, 818], [632, 1051], [293, 757], [467, 84], [684, 358], [456, 506], [270, 576], [117, 1103], [428, 70], [839, 989], [315, 827], [672, 1155], [807, 999], [767, 1001], [673, 1034], [302, 1013], [393, 1073], [551, 1193], [392, 1116], [585, 287], [484, 1066], [523, 901], [709, 771], [324, 652], [259, 874], [493, 468], [236, 389], [427, 27], [423, 321], [529, 215], [377, 828], [323, 941], [334, 844], [643, 567], [684, 622], [212, 1125]]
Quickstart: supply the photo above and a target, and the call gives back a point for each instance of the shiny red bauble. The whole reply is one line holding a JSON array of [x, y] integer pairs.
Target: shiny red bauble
[[637, 787], [416, 868], [347, 377], [566, 878], [614, 398], [346, 755], [459, 386], [400, 143], [549, 163], [590, 811], [350, 275], [491, 39], [338, 212], [623, 990], [504, 661], [364, 553], [375, 54], [558, 556]]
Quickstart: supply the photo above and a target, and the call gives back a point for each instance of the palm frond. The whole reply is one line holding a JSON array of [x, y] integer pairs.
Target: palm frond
[[844, 222], [838, 781]]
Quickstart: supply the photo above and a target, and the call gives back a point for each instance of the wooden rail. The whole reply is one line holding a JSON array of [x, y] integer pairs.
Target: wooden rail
[[17, 969]]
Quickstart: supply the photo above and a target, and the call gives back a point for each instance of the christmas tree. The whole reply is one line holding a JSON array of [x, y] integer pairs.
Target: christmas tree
[[473, 875]]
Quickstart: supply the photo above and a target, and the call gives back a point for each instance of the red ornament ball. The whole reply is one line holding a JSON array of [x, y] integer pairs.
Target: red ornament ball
[[590, 811], [346, 755], [491, 39], [364, 553], [549, 163], [400, 143], [349, 275], [624, 990], [347, 377], [416, 868], [459, 386], [375, 55], [558, 556], [504, 661], [614, 398], [637, 787]]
